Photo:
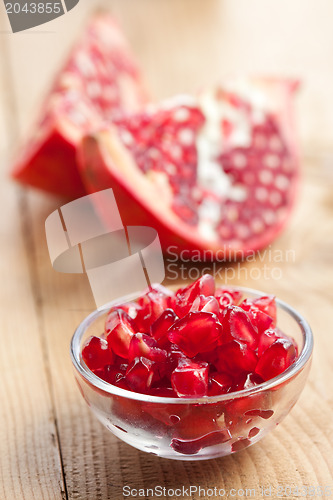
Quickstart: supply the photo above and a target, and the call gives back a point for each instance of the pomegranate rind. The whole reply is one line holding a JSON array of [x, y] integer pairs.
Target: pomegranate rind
[[48, 160], [105, 161]]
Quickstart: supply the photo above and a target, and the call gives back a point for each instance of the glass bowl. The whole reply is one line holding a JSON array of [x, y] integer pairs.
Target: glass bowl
[[195, 429]]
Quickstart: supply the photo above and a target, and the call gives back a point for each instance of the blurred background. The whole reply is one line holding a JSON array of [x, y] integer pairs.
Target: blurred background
[[198, 43]]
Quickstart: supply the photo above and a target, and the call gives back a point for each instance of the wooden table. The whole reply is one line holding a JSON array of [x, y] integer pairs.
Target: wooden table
[[51, 446]]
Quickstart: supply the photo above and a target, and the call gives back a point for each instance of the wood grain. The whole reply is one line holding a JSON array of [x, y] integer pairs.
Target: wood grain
[[51, 445], [30, 462]]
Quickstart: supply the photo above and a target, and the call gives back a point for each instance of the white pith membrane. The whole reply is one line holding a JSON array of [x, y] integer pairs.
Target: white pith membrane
[[218, 161], [210, 144]]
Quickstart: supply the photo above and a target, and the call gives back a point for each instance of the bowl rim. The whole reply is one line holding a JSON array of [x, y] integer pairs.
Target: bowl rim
[[98, 383]]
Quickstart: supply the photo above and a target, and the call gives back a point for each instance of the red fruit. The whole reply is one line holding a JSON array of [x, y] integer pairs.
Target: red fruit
[[130, 308], [197, 332], [219, 383], [139, 374], [193, 446], [184, 297], [257, 317], [146, 346], [119, 331], [190, 379], [236, 357], [159, 329], [241, 327], [276, 359], [153, 303], [206, 304], [267, 305], [99, 81], [266, 339], [253, 432], [246, 381], [112, 374], [240, 414], [225, 301], [230, 195], [226, 292], [96, 353]]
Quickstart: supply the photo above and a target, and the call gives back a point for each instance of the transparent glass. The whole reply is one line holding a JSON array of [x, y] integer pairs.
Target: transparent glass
[[195, 429]]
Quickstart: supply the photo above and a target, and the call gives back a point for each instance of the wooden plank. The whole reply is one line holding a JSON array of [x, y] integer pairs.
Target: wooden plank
[[30, 464]]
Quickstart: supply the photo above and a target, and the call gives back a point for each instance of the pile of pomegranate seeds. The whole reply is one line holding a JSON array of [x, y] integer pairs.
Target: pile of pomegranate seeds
[[199, 341]]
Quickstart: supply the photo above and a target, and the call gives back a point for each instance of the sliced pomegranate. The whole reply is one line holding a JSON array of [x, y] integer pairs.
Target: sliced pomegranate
[[119, 331], [190, 379], [201, 184], [197, 332], [96, 353], [276, 359], [99, 81]]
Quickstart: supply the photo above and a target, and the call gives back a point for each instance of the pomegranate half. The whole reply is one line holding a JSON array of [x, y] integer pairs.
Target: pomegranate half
[[99, 81], [216, 172]]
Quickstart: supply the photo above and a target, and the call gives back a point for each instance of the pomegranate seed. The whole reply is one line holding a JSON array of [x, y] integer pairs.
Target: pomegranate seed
[[217, 347], [159, 329], [193, 446], [266, 339], [139, 375], [219, 383], [253, 432], [225, 300], [257, 317], [196, 422], [246, 381], [190, 379], [119, 331], [206, 304], [96, 353], [235, 295], [267, 305], [276, 359], [241, 327], [236, 356], [185, 297], [112, 374], [146, 346], [130, 308], [196, 332]]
